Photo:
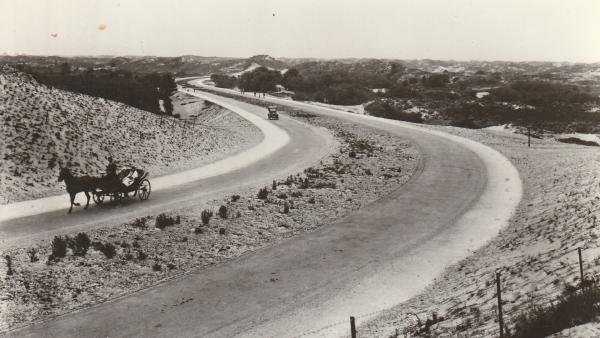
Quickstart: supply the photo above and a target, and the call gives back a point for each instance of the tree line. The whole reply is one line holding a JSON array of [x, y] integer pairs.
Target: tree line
[[150, 92]]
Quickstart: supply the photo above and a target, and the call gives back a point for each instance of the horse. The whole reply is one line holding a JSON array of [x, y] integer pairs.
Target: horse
[[76, 185]]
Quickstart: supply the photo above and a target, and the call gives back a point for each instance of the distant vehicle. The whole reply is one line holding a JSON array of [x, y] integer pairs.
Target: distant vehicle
[[272, 115]]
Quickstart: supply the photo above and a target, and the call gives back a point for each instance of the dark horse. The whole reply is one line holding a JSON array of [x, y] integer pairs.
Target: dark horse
[[76, 185]]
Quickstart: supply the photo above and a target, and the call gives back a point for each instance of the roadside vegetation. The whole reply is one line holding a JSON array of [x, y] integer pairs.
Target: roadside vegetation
[[571, 309], [150, 92]]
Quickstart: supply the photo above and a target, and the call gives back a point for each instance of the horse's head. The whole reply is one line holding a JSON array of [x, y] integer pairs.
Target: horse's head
[[63, 174]]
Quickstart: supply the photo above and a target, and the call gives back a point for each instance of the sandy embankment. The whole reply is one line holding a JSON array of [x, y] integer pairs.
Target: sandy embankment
[[536, 253], [44, 128]]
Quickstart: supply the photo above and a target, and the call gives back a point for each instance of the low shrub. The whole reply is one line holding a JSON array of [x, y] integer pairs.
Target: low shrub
[[206, 215], [575, 140], [571, 309], [108, 249], [81, 244], [286, 208], [235, 198], [282, 196], [8, 260], [311, 200], [32, 253], [141, 255], [198, 230], [304, 184], [139, 223], [163, 221], [156, 266], [221, 231], [296, 194], [263, 193], [59, 247], [322, 185], [274, 185], [223, 212]]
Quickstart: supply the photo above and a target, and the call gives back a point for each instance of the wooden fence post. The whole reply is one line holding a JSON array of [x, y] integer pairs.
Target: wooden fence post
[[352, 328], [581, 269], [500, 318]]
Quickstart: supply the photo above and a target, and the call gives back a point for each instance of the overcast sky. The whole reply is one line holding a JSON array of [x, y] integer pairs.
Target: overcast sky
[[520, 30]]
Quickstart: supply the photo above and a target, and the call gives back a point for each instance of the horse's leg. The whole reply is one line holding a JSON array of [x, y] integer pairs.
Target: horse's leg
[[75, 204], [72, 200], [88, 199]]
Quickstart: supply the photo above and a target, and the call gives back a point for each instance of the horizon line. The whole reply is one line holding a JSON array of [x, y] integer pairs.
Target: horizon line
[[288, 57]]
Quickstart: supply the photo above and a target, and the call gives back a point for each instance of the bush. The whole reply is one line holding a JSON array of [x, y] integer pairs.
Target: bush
[[296, 194], [141, 255], [107, 249], [311, 200], [282, 196], [223, 212], [163, 221], [235, 198], [575, 140], [274, 185], [262, 194], [82, 244], [32, 253], [322, 185], [8, 260], [156, 266], [205, 216], [572, 309], [221, 231], [198, 230], [286, 208], [59, 247], [139, 223]]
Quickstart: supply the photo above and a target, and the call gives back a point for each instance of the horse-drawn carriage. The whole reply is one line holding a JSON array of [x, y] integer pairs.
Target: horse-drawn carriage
[[115, 187], [128, 180]]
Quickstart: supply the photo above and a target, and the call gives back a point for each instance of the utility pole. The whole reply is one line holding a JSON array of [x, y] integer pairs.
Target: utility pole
[[500, 318], [529, 137]]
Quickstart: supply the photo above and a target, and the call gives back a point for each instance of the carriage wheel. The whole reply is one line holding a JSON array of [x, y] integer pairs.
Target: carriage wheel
[[116, 196], [98, 198], [144, 190]]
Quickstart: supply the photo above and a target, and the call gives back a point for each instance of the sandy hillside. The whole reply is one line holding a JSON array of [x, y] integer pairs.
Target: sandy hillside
[[536, 254], [43, 128]]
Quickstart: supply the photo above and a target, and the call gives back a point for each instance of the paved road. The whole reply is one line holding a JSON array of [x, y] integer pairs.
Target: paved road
[[460, 196], [308, 147]]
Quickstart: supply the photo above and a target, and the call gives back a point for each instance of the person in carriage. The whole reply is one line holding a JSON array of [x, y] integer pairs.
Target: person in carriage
[[112, 182]]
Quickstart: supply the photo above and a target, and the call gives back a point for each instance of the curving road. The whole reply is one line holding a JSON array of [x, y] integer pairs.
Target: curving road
[[275, 156], [460, 196]]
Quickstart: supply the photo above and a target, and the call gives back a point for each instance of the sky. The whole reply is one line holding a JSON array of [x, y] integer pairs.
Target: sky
[[512, 30]]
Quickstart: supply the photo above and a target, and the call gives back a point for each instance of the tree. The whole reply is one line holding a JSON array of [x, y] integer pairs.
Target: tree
[[261, 80]]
